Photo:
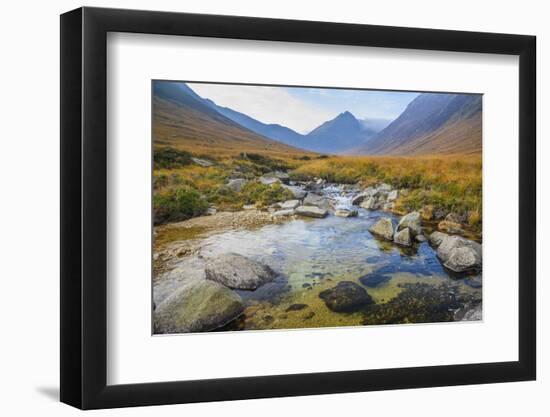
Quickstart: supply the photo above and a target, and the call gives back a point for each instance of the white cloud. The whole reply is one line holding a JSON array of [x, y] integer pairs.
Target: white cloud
[[266, 104]]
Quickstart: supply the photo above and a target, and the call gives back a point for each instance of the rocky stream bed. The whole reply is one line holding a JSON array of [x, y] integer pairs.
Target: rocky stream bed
[[335, 255]]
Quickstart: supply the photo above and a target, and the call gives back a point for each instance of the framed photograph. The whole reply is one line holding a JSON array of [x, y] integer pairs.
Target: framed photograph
[[256, 208]]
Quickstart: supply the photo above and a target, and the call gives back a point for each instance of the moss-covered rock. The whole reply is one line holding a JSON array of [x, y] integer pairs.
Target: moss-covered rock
[[199, 307]]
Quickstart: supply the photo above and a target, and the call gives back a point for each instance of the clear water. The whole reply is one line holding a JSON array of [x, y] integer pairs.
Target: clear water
[[311, 255]]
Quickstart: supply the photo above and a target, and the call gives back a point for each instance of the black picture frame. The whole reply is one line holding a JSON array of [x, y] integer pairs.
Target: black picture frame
[[84, 207]]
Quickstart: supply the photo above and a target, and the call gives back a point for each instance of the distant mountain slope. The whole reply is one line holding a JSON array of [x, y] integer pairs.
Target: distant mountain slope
[[184, 120], [432, 123], [272, 131], [375, 125], [339, 135]]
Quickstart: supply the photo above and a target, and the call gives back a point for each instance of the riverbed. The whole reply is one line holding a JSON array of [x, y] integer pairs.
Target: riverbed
[[407, 284]]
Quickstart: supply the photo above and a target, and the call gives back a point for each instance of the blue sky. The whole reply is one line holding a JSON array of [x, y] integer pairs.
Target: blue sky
[[303, 109]]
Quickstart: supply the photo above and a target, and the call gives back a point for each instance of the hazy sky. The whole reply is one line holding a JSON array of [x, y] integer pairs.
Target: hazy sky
[[303, 109]]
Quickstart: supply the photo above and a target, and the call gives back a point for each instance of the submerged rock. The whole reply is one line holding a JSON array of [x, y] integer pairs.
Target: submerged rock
[[412, 221], [383, 228], [347, 296], [345, 213], [203, 306], [311, 211], [403, 237], [296, 307], [237, 271]]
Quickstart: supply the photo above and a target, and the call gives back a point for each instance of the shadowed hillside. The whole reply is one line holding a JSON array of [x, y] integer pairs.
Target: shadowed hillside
[[183, 120]]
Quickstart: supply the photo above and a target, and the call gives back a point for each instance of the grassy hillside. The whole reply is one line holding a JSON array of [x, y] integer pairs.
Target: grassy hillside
[[452, 182], [189, 129]]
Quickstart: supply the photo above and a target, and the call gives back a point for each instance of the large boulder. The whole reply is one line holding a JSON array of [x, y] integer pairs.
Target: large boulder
[[403, 237], [311, 211], [459, 254], [463, 259], [202, 306], [346, 297], [413, 221], [316, 200], [436, 238], [236, 184], [345, 213], [237, 271], [383, 228], [298, 192]]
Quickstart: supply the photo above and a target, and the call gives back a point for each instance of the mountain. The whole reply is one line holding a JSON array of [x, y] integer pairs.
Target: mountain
[[338, 135], [375, 125], [432, 123], [183, 119], [272, 131]]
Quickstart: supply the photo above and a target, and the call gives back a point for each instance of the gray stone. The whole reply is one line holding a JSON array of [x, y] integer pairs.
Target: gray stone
[[393, 195], [311, 211], [203, 306], [289, 204], [316, 200], [236, 184], [420, 238], [459, 254], [412, 221], [370, 204], [298, 192], [202, 162], [463, 259], [237, 271], [347, 296], [384, 187], [403, 237], [436, 238], [269, 180], [283, 213], [345, 213], [383, 228], [249, 207]]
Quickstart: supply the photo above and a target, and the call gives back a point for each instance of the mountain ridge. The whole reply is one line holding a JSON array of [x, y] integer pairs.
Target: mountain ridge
[[432, 123]]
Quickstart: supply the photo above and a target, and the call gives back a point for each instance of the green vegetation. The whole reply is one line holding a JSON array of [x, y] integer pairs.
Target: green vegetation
[[451, 183], [177, 204], [169, 158]]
